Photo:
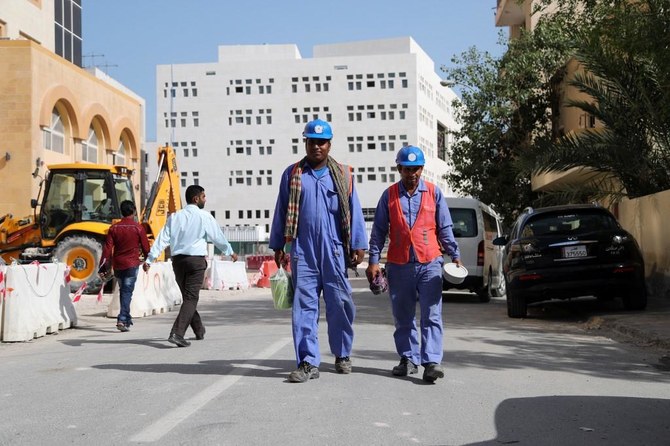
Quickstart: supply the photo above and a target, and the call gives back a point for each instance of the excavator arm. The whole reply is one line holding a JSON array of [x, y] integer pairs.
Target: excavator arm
[[165, 195]]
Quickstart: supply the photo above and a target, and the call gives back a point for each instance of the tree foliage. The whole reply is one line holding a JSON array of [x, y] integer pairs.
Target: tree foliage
[[509, 107], [626, 60]]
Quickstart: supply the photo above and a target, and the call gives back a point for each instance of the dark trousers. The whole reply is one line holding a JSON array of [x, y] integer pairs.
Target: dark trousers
[[190, 273]]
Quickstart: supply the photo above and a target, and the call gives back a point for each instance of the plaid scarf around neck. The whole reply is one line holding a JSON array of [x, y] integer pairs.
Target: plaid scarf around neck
[[342, 187]]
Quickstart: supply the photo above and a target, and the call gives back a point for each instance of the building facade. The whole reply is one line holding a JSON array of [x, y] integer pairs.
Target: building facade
[[53, 111], [237, 123]]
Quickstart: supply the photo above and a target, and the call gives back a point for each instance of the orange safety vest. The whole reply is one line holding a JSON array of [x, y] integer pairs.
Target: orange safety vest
[[422, 236]]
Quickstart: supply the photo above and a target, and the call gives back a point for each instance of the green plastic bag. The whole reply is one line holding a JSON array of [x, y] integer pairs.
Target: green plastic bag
[[282, 289]]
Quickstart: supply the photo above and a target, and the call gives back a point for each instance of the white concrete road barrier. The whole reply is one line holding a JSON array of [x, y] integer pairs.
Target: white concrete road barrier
[[36, 301], [156, 291], [226, 275]]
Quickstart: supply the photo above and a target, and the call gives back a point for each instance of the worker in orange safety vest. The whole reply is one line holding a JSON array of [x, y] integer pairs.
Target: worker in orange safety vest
[[413, 213]]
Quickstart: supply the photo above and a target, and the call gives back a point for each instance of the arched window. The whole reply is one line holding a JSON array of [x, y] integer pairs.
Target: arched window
[[54, 135], [89, 147], [120, 156]]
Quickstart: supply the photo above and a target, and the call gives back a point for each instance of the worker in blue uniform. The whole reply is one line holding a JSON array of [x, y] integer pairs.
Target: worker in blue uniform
[[318, 220], [413, 213]]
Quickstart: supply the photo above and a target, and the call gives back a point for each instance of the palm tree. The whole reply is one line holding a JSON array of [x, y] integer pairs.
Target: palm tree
[[626, 61]]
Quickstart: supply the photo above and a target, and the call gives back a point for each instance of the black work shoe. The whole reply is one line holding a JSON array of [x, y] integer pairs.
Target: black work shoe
[[122, 327], [432, 371], [178, 340], [405, 368], [303, 373], [343, 365]]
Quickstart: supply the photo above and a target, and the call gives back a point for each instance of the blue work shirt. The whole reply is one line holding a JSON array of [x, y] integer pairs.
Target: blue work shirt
[[187, 232], [319, 217], [410, 205]]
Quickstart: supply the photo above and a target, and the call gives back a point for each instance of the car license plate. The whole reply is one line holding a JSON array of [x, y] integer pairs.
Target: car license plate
[[571, 252]]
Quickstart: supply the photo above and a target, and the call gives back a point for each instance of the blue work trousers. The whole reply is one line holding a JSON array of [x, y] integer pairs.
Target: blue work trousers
[[126, 279], [408, 284], [332, 281]]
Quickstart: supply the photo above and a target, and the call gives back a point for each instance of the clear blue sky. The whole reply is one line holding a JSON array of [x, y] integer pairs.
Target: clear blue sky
[[131, 37]]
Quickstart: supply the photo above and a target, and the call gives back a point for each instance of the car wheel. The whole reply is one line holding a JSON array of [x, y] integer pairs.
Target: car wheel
[[516, 304], [499, 291], [635, 297], [484, 293]]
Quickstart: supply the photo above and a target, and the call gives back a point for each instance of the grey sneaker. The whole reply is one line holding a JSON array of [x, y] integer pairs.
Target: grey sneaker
[[405, 368], [122, 327], [303, 373], [432, 372], [343, 365]]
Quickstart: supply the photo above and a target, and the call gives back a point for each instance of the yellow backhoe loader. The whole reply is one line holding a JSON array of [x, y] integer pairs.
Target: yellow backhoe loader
[[79, 203]]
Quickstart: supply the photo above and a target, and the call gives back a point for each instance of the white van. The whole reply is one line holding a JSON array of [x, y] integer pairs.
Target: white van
[[475, 227]]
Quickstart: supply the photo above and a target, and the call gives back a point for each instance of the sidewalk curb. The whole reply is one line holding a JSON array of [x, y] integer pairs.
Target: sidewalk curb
[[646, 337]]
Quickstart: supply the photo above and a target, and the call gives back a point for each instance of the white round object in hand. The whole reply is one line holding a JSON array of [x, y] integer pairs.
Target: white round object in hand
[[455, 274]]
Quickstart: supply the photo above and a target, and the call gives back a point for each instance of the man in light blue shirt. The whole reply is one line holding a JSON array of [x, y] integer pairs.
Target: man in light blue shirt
[[187, 232]]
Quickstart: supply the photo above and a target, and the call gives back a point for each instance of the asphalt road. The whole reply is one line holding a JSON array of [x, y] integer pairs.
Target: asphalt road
[[538, 381]]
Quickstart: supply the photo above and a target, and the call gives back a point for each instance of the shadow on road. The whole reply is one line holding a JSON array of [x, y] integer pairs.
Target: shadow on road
[[274, 368], [581, 420]]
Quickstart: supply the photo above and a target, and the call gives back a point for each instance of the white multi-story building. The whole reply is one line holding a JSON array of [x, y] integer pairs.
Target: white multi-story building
[[237, 123]]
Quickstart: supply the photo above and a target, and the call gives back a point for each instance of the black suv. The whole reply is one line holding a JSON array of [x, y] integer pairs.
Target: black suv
[[561, 252]]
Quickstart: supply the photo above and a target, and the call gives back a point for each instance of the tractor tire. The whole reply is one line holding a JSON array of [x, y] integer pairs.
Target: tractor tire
[[82, 255]]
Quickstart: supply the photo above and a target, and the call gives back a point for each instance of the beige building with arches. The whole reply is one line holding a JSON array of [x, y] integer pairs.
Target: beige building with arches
[[52, 112]]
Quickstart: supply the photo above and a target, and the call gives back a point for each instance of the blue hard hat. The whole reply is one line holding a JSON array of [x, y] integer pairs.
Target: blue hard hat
[[318, 129], [410, 156]]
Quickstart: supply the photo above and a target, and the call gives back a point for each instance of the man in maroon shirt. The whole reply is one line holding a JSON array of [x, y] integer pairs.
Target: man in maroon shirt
[[126, 241]]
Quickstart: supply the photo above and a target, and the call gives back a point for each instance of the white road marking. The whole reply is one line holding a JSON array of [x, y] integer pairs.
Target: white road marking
[[158, 429]]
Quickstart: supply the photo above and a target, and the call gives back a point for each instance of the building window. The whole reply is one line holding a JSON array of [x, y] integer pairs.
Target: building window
[[67, 42], [120, 157], [54, 135], [89, 148]]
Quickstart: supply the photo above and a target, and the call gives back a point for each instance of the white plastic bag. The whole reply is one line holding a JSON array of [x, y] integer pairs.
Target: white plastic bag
[[282, 289]]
